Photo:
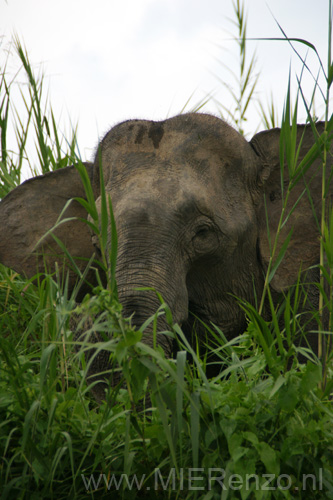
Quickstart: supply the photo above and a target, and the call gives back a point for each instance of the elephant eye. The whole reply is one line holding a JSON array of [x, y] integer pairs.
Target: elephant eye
[[202, 232], [205, 239]]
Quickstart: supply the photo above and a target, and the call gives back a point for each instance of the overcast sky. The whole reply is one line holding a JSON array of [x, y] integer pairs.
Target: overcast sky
[[110, 60]]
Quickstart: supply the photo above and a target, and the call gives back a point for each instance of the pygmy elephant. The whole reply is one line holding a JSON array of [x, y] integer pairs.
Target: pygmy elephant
[[191, 199]]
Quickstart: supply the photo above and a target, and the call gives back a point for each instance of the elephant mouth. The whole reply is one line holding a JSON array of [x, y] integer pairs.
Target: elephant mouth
[[142, 307]]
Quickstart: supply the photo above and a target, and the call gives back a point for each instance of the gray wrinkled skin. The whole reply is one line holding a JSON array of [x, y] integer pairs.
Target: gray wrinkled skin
[[188, 196]]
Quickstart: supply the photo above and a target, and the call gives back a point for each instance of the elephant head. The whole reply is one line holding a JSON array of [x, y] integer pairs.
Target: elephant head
[[190, 197]]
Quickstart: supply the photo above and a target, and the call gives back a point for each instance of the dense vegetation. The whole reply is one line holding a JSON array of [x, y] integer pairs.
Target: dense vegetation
[[165, 430]]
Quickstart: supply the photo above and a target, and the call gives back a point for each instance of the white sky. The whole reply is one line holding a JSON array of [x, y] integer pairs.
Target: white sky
[[110, 60]]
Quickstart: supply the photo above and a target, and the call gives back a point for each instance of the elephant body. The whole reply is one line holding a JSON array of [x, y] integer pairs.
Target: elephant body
[[191, 199]]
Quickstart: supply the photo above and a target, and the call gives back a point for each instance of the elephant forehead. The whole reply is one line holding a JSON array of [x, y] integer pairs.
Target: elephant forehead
[[167, 169], [170, 185], [183, 194]]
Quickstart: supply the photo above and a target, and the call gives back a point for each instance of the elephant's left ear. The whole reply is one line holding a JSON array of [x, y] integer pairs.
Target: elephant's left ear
[[302, 215], [28, 213]]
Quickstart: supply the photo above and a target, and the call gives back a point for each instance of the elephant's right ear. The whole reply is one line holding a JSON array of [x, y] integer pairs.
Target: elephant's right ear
[[304, 203], [29, 211]]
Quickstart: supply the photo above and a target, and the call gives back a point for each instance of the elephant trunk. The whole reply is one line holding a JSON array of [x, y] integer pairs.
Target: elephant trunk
[[148, 257], [143, 304]]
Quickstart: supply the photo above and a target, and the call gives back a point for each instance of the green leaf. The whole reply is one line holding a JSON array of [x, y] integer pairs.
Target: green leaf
[[104, 219], [29, 423], [139, 373], [280, 256], [289, 397], [330, 76], [113, 250], [195, 427], [269, 458], [311, 377], [91, 205], [279, 382], [44, 362], [234, 442], [250, 436], [181, 362]]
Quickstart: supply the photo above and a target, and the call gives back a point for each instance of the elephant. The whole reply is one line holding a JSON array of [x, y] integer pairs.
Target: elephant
[[196, 207]]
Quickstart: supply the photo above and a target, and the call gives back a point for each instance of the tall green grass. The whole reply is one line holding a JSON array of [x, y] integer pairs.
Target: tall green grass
[[165, 429], [31, 117], [241, 87]]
